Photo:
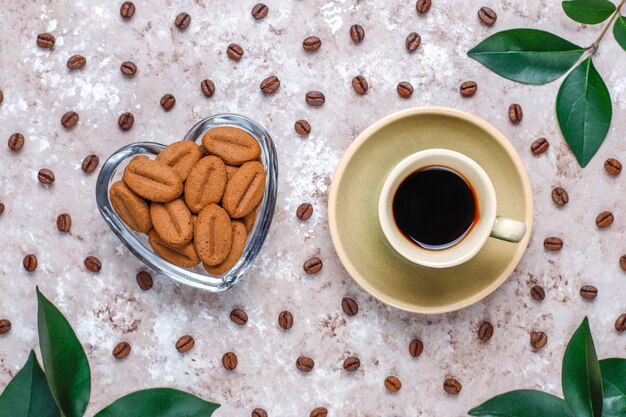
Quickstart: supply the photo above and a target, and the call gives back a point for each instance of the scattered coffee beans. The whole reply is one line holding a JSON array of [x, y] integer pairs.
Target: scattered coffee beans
[[588, 292], [537, 293], [285, 320], [620, 323], [305, 364], [313, 265], [126, 120], [539, 146], [315, 98], [229, 361], [452, 386], [604, 219], [30, 262], [349, 306], [182, 21], [416, 347], [45, 40], [239, 317], [468, 88], [319, 412], [405, 89], [207, 87], [121, 350], [128, 68], [413, 41], [515, 113], [64, 222], [5, 326], [423, 6], [234, 52], [1, 96], [312, 43], [360, 85], [553, 244], [392, 384], [357, 33], [127, 10], [69, 119], [560, 196], [1, 208], [538, 339], [259, 11], [485, 331], [167, 102], [16, 142], [622, 262], [487, 16], [270, 84], [351, 364], [76, 62], [302, 127], [185, 344], [45, 176], [90, 163], [93, 264], [144, 280], [259, 412], [613, 166], [304, 211]]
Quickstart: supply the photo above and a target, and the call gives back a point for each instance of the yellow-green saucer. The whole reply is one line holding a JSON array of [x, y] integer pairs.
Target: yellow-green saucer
[[353, 201]]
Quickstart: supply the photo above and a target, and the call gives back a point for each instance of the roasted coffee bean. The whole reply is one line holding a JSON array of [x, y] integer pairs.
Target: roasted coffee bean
[[121, 350], [487, 16], [76, 62], [5, 326], [416, 347], [285, 320], [128, 68], [144, 280], [604, 219], [405, 89], [182, 21], [560, 196], [312, 43], [452, 386], [185, 344], [126, 120], [1, 96], [234, 52], [539, 146], [485, 331], [553, 244], [357, 33], [319, 412], [239, 317], [315, 98], [259, 412], [1, 208], [413, 41], [127, 10], [620, 323], [588, 292], [351, 364], [64, 222], [392, 384], [537, 293], [69, 119], [270, 84], [304, 211], [30, 262], [90, 163], [622, 262], [16, 142], [207, 87], [613, 166], [313, 265], [229, 361], [259, 11], [45, 176], [349, 306], [360, 85], [515, 113], [468, 88], [305, 364], [93, 264], [423, 6], [167, 102], [303, 128], [45, 40], [538, 339]]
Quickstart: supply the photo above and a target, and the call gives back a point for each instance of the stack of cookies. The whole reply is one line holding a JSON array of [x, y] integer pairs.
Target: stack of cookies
[[195, 203]]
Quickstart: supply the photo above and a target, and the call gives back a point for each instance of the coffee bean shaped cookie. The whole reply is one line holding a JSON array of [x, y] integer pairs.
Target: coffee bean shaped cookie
[[172, 221], [153, 180], [213, 235], [230, 171], [132, 209], [249, 219], [181, 156], [235, 146], [205, 183], [236, 249], [184, 256], [245, 190]]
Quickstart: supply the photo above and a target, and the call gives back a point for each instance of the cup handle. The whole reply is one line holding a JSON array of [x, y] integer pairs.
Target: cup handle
[[508, 230]]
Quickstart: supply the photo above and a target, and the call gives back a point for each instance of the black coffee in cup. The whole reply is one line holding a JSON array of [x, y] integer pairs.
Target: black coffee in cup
[[435, 207]]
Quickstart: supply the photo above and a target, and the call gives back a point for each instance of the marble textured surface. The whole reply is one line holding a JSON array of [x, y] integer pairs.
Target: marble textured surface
[[109, 307]]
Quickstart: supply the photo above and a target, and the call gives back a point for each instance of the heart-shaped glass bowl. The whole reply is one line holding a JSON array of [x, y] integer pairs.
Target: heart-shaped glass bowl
[[113, 169]]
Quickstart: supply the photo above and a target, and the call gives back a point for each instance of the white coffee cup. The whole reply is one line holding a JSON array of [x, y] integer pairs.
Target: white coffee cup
[[488, 224]]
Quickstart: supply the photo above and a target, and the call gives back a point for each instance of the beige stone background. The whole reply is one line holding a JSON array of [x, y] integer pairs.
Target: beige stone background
[[109, 307]]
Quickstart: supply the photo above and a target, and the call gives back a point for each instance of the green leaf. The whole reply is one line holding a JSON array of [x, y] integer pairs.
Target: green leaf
[[161, 402], [584, 110], [523, 403], [28, 394], [528, 56], [614, 384], [619, 31], [64, 360], [581, 380], [590, 12]]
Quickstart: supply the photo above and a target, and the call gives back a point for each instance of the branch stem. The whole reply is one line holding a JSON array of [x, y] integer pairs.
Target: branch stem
[[594, 46]]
